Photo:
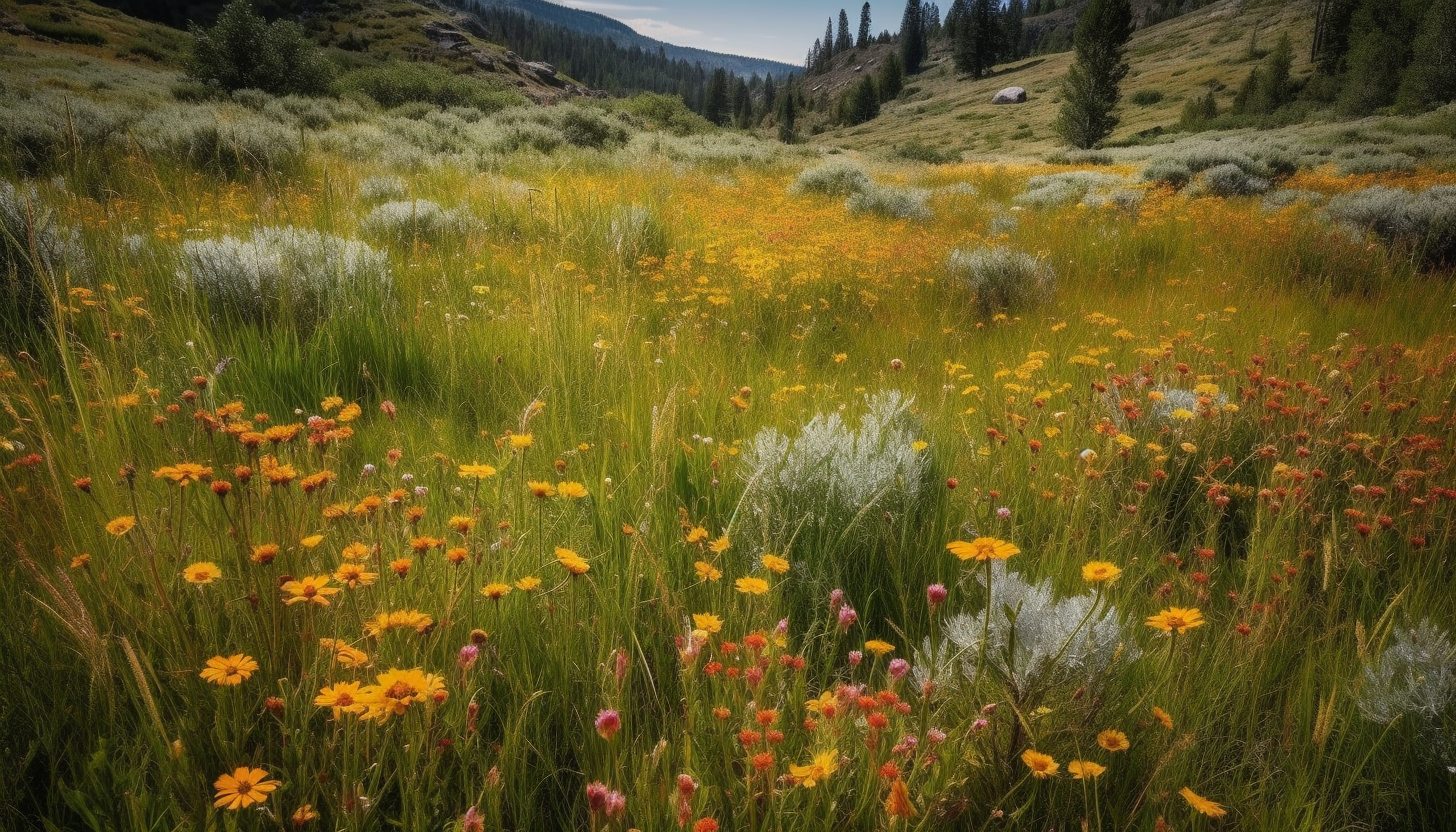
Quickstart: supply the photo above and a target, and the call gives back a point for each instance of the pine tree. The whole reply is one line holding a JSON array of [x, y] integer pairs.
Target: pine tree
[[740, 103], [842, 43], [1332, 34], [930, 20], [1380, 37], [1198, 112], [1430, 80], [770, 95], [1011, 31], [862, 103], [829, 49], [954, 17], [787, 115], [1090, 91], [715, 103], [864, 26], [892, 78], [912, 38], [976, 38]]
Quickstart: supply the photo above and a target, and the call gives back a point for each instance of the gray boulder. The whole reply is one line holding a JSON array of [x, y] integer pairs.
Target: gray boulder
[[1010, 95]]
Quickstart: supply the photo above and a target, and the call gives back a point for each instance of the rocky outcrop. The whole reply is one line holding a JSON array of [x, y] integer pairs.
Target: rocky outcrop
[[537, 80]]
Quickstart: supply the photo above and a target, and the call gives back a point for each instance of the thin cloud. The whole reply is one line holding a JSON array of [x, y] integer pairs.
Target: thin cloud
[[660, 29], [593, 6]]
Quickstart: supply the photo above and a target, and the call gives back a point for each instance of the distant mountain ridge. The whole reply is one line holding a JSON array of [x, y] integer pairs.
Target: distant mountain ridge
[[592, 23]]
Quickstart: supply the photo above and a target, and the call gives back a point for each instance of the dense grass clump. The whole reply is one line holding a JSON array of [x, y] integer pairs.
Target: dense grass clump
[[836, 177], [40, 259]]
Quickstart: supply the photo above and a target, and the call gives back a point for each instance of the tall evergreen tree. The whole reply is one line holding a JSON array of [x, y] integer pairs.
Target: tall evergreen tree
[[1268, 87], [842, 41], [862, 103], [715, 102], [892, 78], [829, 50], [770, 95], [912, 37], [740, 103], [930, 20], [1332, 34], [1090, 91], [1380, 39], [1430, 80], [954, 16], [1010, 29], [788, 114], [975, 37], [864, 27]]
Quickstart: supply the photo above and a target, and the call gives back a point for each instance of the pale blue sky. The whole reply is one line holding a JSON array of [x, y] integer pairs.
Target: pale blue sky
[[781, 30]]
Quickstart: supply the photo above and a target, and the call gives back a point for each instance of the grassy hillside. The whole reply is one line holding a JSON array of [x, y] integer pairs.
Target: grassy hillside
[[1177, 60], [354, 34]]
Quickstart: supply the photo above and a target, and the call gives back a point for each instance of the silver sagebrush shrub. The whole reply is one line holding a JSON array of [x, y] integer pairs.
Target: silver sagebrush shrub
[[832, 475], [1414, 676], [1002, 279], [382, 189], [405, 221], [295, 271], [1051, 190], [1424, 220], [1231, 180], [205, 138], [891, 202], [1033, 637]]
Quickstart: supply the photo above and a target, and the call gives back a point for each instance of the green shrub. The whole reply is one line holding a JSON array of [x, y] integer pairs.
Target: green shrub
[[1231, 180], [1146, 98], [242, 51], [396, 84], [63, 31], [1167, 172], [589, 128], [915, 151], [667, 113]]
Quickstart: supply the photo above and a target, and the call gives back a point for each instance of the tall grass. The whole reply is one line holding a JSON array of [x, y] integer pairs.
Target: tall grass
[[673, 367]]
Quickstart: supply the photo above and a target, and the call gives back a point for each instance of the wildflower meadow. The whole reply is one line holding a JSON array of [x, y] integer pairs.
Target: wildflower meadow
[[707, 484]]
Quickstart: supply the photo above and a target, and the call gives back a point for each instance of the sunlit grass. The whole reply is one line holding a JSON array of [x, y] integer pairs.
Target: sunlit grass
[[1246, 412]]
